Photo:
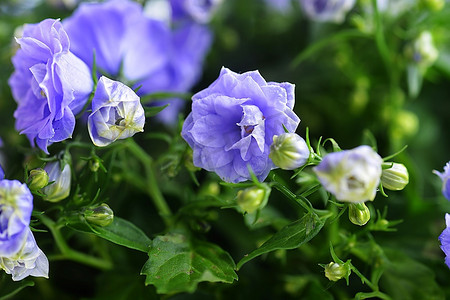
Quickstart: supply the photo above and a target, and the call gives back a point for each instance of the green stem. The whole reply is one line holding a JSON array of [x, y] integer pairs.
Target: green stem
[[364, 279], [69, 253], [291, 195], [380, 40], [152, 185]]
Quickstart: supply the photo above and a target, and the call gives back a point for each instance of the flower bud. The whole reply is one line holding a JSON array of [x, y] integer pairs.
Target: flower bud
[[38, 179], [117, 113], [395, 178], [253, 198], [335, 271], [289, 151], [351, 175], [101, 215], [60, 188], [434, 5], [424, 50], [358, 213]]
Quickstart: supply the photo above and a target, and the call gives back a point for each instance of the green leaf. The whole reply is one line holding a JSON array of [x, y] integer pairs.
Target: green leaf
[[289, 237], [177, 264], [154, 110], [407, 279], [124, 233], [9, 288]]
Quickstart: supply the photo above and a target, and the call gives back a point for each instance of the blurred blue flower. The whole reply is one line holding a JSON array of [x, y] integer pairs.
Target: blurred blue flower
[[445, 176], [139, 51], [233, 122], [282, 6], [200, 11], [50, 84], [117, 113], [444, 238], [351, 175], [2, 173], [327, 10], [16, 205], [29, 261]]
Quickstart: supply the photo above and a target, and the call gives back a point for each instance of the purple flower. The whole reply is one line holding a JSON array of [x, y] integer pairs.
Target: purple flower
[[50, 84], [200, 11], [2, 173], [351, 175], [233, 122], [16, 204], [327, 10], [138, 50], [445, 176], [29, 261], [117, 113], [444, 238], [61, 178]]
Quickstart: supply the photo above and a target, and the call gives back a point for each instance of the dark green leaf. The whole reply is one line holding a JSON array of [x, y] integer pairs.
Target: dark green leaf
[[124, 233], [289, 237], [177, 264], [154, 110]]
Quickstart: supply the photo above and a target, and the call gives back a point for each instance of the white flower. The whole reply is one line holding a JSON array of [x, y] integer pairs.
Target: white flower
[[29, 261], [351, 175], [117, 113], [60, 188], [289, 151]]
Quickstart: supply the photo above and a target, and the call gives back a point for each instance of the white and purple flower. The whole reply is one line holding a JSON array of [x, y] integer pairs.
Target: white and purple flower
[[233, 122], [351, 175], [117, 113], [50, 84]]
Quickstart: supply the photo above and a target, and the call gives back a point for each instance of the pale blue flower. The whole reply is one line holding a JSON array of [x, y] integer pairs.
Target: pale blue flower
[[29, 261], [351, 175], [445, 176], [117, 113], [50, 84], [16, 205], [200, 11], [233, 121], [444, 238]]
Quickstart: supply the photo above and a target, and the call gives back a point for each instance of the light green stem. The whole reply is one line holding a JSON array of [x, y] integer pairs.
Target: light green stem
[[69, 253], [152, 185]]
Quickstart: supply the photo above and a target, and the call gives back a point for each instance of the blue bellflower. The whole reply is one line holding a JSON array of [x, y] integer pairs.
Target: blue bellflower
[[200, 11], [16, 205], [233, 122], [138, 50], [445, 176], [50, 84], [117, 113], [444, 238]]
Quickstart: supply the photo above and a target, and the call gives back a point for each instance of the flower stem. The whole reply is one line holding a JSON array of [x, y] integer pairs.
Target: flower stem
[[152, 185], [69, 253]]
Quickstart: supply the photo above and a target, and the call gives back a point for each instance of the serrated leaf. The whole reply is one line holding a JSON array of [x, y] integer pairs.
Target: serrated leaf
[[289, 237], [124, 233], [177, 264]]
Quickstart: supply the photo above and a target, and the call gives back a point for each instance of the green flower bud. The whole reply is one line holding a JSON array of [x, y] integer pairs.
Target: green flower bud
[[358, 213], [395, 178], [434, 5], [289, 151], [253, 198], [38, 179], [335, 271], [101, 215]]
